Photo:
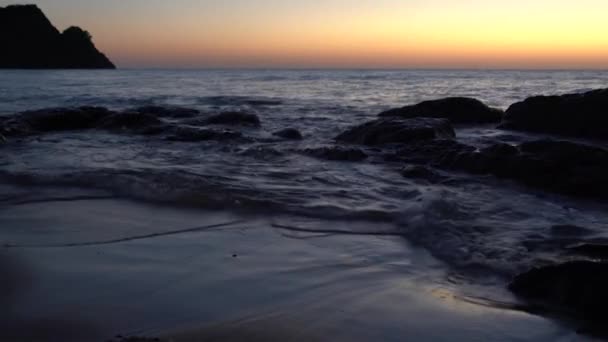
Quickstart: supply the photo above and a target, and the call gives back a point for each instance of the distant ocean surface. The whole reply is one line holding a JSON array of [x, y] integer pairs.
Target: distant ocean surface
[[270, 177], [281, 93]]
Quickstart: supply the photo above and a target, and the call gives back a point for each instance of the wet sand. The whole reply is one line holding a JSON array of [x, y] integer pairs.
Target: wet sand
[[73, 273]]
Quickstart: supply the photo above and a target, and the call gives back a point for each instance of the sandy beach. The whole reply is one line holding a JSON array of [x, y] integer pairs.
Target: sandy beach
[[243, 281]]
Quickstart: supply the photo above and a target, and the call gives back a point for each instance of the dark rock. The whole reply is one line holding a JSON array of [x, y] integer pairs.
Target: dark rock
[[558, 166], [421, 172], [565, 151], [337, 153], [591, 250], [576, 288], [30, 41], [187, 134], [500, 150], [567, 230], [579, 115], [233, 118], [564, 167], [62, 119], [168, 112], [120, 338], [442, 153], [261, 152], [132, 122], [497, 159], [397, 130], [2, 139], [14, 127], [459, 110], [289, 133]]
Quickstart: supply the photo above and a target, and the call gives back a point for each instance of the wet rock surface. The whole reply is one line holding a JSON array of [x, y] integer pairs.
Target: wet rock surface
[[439, 152], [459, 110], [130, 122], [168, 112], [62, 119], [187, 134], [578, 115], [289, 134], [420, 172], [590, 249], [558, 166], [336, 153], [568, 230], [576, 289], [231, 119], [397, 130]]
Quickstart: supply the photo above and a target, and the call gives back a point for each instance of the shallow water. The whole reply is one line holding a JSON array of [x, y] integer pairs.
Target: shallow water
[[244, 280], [480, 231]]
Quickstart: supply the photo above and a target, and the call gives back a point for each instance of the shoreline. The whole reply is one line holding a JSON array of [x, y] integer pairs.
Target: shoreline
[[344, 287]]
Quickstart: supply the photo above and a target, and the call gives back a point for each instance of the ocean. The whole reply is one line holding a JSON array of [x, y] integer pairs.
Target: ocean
[[465, 238]]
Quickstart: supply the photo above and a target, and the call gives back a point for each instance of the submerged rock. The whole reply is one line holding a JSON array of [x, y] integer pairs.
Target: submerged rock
[[14, 127], [590, 249], [261, 152], [562, 166], [187, 134], [568, 230], [168, 112], [63, 119], [397, 130], [439, 152], [579, 115], [289, 133], [558, 166], [577, 289], [421, 172], [459, 110], [233, 118], [337, 153], [131, 122]]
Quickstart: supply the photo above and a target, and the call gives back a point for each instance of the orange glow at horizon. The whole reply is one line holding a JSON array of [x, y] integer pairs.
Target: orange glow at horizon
[[340, 33]]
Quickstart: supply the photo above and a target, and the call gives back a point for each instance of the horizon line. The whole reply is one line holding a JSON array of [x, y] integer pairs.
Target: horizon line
[[303, 68]]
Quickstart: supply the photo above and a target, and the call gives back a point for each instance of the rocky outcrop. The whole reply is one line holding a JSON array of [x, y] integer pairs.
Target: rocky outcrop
[[289, 134], [133, 122], [459, 110], [64, 119], [30, 41], [53, 119], [576, 289], [232, 119], [420, 172], [336, 153], [439, 152], [167, 112], [143, 121], [578, 115], [187, 134], [80, 118], [557, 166], [397, 130], [597, 251]]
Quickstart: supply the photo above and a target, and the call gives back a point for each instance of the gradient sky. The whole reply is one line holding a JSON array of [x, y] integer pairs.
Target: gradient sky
[[341, 33]]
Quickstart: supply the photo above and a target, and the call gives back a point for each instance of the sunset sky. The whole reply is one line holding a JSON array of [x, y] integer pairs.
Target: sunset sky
[[341, 33]]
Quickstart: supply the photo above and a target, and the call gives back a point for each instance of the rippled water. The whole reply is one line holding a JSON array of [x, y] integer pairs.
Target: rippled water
[[473, 223]]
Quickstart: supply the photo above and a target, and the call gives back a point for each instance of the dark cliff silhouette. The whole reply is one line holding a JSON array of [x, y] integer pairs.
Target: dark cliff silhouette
[[28, 40]]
